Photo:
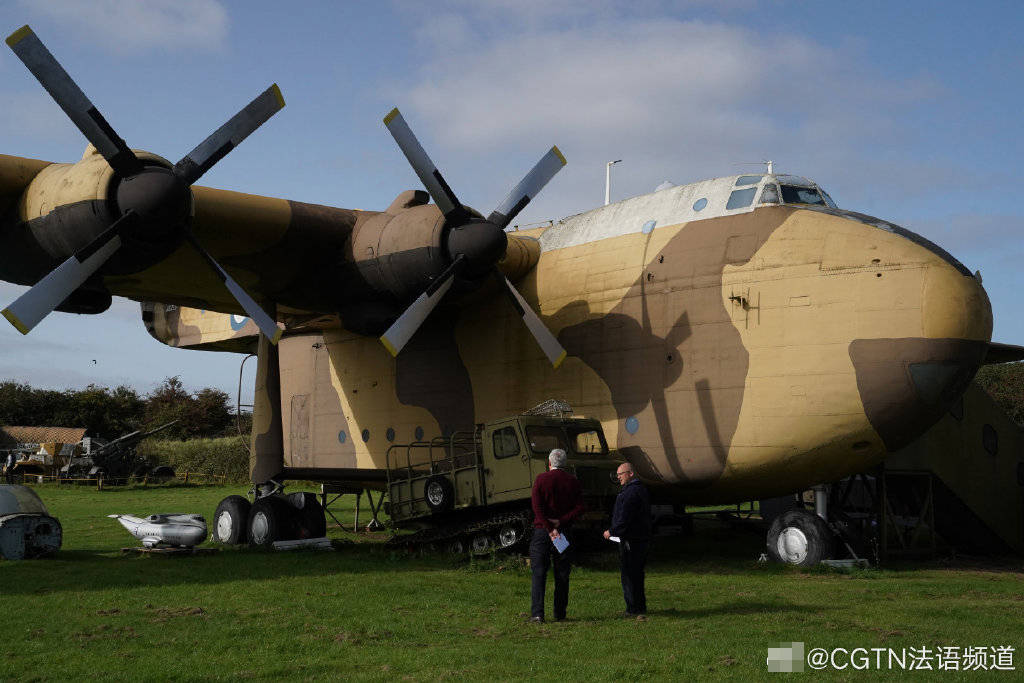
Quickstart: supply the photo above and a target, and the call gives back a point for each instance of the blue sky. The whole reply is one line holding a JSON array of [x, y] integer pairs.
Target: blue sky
[[909, 111]]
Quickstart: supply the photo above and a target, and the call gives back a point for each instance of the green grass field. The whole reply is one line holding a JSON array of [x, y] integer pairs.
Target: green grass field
[[368, 612]]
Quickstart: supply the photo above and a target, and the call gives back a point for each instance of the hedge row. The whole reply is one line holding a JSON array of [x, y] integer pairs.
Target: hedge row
[[227, 457]]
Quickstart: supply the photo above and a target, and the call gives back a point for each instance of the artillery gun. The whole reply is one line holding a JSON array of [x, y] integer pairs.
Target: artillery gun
[[117, 459]]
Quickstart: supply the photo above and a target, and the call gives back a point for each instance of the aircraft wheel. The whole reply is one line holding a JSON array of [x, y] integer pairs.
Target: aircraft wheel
[[456, 547], [799, 537], [481, 544], [439, 494], [271, 519], [231, 520], [309, 514]]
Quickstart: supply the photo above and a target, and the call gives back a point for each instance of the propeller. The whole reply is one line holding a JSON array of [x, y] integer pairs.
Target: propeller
[[474, 245], [154, 200]]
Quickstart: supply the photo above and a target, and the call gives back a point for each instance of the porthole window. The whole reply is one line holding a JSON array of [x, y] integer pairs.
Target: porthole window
[[341, 436], [990, 439], [419, 433], [700, 204], [390, 434], [366, 435]]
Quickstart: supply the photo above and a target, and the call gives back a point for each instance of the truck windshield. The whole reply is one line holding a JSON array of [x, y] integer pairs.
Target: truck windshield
[[588, 442], [544, 439]]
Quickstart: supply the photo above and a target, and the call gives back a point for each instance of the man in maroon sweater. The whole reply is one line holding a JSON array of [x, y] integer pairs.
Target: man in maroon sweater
[[557, 501]]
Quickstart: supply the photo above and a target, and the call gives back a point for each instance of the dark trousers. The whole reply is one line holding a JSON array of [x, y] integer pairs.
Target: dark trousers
[[543, 553], [632, 558]]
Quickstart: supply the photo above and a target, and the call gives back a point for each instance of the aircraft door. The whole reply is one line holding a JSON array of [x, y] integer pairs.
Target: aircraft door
[[508, 475]]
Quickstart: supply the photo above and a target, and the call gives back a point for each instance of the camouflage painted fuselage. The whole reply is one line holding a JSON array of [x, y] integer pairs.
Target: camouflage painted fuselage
[[729, 353]]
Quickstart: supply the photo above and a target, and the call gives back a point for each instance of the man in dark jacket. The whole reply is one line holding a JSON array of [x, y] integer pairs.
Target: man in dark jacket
[[557, 501], [631, 524]]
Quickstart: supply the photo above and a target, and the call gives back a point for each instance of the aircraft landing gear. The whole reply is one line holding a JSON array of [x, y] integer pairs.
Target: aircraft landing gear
[[799, 537], [231, 520]]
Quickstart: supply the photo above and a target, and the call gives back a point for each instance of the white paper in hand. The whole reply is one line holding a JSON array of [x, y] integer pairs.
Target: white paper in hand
[[614, 539], [561, 543]]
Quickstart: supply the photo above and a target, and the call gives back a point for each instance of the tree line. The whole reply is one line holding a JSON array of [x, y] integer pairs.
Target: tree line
[[108, 413]]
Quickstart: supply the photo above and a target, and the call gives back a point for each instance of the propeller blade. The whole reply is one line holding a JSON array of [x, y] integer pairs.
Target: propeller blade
[[547, 341], [39, 301], [214, 148], [266, 324], [66, 93], [421, 163], [528, 188], [402, 330]]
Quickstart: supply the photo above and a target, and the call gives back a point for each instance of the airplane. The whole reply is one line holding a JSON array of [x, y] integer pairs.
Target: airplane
[[738, 338]]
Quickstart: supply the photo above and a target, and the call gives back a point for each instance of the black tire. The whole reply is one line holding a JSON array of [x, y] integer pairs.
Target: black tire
[[439, 494], [231, 521], [799, 537], [309, 515], [163, 472], [271, 519]]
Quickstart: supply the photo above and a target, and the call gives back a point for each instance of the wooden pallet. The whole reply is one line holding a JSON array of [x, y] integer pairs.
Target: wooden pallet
[[170, 551]]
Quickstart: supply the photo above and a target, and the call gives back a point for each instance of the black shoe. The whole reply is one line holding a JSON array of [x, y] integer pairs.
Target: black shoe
[[561, 618], [536, 620]]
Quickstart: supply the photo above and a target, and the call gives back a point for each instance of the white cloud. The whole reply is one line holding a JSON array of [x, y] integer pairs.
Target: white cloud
[[35, 116], [676, 99], [126, 26]]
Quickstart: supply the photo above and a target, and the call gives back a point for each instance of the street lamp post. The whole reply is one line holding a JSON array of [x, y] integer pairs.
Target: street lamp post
[[608, 181]]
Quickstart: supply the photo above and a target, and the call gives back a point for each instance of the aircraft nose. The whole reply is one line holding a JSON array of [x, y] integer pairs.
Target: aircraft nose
[[908, 384]]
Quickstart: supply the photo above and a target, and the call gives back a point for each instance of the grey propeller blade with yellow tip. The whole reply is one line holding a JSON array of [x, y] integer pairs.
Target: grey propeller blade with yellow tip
[[161, 194], [421, 163], [266, 324], [547, 341], [475, 245], [528, 188], [44, 296], [66, 93], [402, 330], [211, 150]]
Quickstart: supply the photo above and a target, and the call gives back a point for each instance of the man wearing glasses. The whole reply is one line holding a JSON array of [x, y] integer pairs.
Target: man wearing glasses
[[631, 524]]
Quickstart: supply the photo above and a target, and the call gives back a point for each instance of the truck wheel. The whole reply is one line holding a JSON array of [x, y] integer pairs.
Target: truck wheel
[[310, 514], [799, 537], [509, 535], [231, 520], [439, 494], [481, 544], [271, 519]]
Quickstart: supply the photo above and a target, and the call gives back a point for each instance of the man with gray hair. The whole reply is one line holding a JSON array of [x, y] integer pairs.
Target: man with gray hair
[[557, 501]]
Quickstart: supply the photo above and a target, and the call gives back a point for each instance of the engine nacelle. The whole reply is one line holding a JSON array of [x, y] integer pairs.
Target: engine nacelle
[[66, 206], [401, 250]]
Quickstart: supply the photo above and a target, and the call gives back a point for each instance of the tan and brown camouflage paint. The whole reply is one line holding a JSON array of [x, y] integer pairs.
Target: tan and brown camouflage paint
[[749, 351]]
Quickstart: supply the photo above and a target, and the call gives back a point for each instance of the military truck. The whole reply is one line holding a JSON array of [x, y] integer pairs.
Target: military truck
[[471, 490]]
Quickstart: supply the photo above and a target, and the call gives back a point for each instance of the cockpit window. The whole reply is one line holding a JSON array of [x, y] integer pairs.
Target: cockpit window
[[770, 194], [828, 200], [748, 180], [791, 194], [740, 198]]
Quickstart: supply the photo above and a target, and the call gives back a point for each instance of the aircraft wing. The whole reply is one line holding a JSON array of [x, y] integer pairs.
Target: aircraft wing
[[1003, 353]]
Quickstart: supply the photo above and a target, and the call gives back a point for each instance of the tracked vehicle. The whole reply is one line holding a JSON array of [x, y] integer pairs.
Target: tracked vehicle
[[471, 490]]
